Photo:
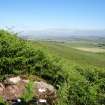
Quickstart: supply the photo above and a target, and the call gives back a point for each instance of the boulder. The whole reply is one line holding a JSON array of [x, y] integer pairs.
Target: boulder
[[46, 93], [14, 87], [14, 91]]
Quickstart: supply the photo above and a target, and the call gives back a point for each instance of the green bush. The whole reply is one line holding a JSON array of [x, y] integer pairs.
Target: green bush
[[87, 87], [18, 56]]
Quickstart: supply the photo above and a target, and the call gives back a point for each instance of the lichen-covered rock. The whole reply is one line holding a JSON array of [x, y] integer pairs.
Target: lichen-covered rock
[[14, 91], [14, 87], [13, 80], [45, 92]]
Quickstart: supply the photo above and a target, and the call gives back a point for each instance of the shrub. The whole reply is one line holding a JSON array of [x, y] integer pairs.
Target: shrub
[[18, 56]]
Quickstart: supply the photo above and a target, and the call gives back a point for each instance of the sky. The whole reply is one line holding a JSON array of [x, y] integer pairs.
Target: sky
[[52, 14]]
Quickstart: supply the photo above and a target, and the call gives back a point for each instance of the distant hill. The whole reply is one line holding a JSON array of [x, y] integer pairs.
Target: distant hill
[[64, 35]]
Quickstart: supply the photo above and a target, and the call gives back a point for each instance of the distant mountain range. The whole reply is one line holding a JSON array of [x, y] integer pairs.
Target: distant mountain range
[[63, 34]]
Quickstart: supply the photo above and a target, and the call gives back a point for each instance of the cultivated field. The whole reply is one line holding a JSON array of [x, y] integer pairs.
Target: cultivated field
[[78, 53], [94, 50]]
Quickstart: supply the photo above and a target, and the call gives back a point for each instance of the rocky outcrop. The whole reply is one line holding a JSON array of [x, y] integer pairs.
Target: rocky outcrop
[[45, 92], [13, 88]]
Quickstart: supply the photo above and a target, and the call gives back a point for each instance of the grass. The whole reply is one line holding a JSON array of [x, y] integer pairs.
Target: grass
[[72, 55], [86, 72], [78, 76]]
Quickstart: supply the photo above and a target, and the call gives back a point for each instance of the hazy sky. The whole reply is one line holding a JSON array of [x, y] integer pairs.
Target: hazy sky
[[45, 14]]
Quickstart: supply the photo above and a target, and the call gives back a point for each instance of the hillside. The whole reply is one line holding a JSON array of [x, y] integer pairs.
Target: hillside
[[78, 76], [17, 57], [70, 52], [85, 84]]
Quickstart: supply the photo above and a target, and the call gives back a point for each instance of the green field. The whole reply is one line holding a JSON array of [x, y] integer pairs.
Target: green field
[[69, 52], [85, 69]]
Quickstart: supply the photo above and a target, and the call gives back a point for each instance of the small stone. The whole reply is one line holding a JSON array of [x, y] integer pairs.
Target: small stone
[[41, 90], [18, 100], [42, 101]]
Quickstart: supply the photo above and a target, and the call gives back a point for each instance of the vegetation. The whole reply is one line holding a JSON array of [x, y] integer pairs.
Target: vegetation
[[85, 74], [78, 76], [28, 94], [2, 102], [18, 57]]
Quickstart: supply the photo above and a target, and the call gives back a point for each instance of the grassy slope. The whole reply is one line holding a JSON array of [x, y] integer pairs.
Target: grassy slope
[[20, 57], [71, 55], [82, 83], [85, 74]]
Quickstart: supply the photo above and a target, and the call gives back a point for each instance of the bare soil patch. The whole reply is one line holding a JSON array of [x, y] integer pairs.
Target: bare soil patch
[[94, 50]]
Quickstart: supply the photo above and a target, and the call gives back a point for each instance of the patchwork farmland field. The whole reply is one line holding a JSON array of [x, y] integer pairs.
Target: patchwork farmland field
[[80, 53], [94, 50]]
